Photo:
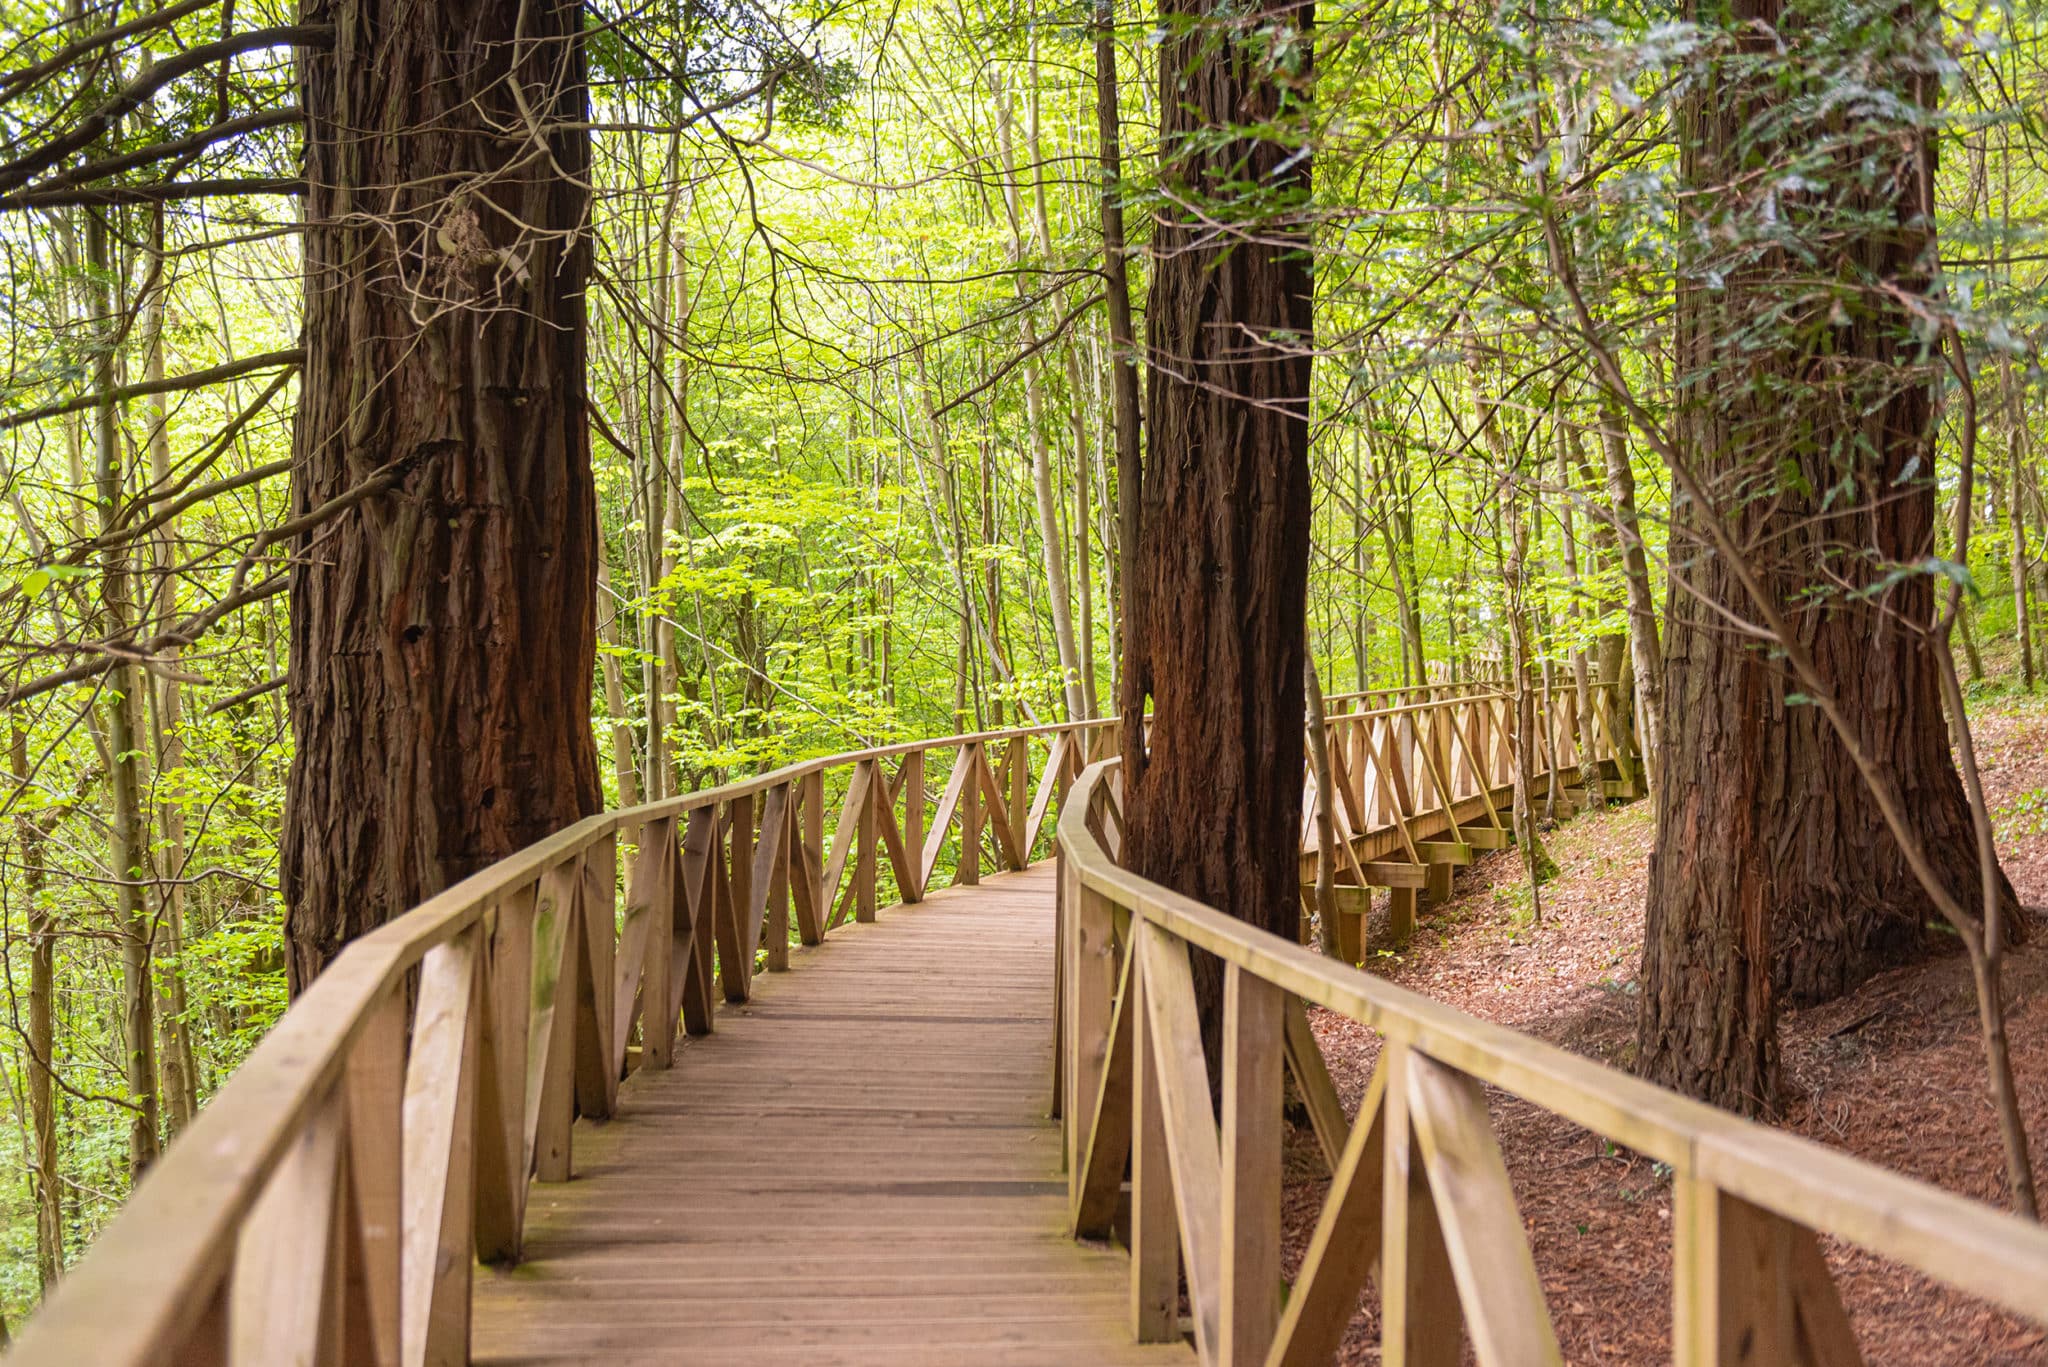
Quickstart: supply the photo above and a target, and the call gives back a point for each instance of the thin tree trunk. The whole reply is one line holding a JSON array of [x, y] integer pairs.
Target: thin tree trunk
[[46, 1180], [1646, 652], [127, 836], [1123, 359], [178, 1072]]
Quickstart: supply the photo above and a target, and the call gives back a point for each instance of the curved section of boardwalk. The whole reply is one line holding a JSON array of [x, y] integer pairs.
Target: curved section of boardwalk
[[855, 1168]]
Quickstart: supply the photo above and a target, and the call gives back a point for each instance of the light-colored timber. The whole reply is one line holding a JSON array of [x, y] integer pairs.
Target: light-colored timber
[[1419, 1171], [569, 1064], [855, 1167]]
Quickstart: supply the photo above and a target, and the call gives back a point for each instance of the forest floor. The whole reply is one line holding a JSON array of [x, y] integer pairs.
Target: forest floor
[[1894, 1074]]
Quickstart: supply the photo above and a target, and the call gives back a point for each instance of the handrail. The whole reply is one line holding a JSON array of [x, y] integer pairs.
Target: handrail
[[381, 1137], [329, 1203], [1418, 1186]]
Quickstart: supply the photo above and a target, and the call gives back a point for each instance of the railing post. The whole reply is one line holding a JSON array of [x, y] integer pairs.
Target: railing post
[[1254, 1024], [864, 843], [1421, 1321], [785, 838], [736, 899], [1091, 991], [1018, 767], [374, 1093], [501, 1100], [913, 824], [698, 889], [653, 886], [968, 870], [813, 849], [1155, 1228], [439, 1184]]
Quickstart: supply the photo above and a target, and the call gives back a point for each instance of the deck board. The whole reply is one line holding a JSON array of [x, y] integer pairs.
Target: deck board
[[855, 1168]]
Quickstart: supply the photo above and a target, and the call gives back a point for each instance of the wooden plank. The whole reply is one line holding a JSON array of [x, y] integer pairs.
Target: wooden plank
[[1191, 1148], [1254, 1027], [900, 1201], [1312, 1077], [373, 1089], [967, 869], [1421, 1321], [643, 957], [1105, 1141], [864, 860], [768, 876], [1387, 874], [691, 933], [284, 1306], [1482, 1229], [1154, 1306], [812, 865], [597, 1053], [550, 1090], [1017, 771], [1485, 837], [501, 1157], [438, 1248], [1826, 1338], [998, 812], [730, 890], [910, 875], [1345, 1245], [949, 803], [1050, 783], [742, 912], [847, 833], [901, 866], [1444, 851], [1751, 1287]]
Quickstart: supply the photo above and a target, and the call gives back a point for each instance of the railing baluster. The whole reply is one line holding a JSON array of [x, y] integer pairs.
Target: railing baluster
[[699, 888], [1254, 1026], [650, 912], [597, 1052], [440, 1167], [374, 1093], [738, 904], [285, 1305], [967, 870], [864, 848], [912, 889], [551, 1048], [1420, 1318], [501, 1097], [1155, 1231]]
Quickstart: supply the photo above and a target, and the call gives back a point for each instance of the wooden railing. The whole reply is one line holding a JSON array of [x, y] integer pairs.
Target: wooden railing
[[1420, 1198], [330, 1203], [1422, 778]]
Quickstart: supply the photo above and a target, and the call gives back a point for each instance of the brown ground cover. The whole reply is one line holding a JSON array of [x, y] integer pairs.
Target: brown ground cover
[[1893, 1073]]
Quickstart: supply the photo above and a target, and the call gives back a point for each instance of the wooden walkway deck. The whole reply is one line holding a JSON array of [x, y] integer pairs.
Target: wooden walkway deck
[[855, 1168]]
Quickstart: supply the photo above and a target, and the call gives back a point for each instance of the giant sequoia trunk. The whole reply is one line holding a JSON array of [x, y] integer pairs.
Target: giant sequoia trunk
[[1216, 611], [442, 629], [1808, 412]]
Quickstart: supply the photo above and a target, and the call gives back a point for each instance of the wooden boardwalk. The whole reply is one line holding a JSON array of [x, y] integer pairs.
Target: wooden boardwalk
[[855, 1168]]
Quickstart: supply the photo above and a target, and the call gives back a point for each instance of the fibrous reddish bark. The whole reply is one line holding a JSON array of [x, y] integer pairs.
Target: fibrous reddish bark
[[1811, 412], [442, 631], [1217, 607]]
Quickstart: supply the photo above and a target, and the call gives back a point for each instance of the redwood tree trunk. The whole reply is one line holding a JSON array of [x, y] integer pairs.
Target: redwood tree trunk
[[442, 631], [1218, 607], [1775, 874]]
